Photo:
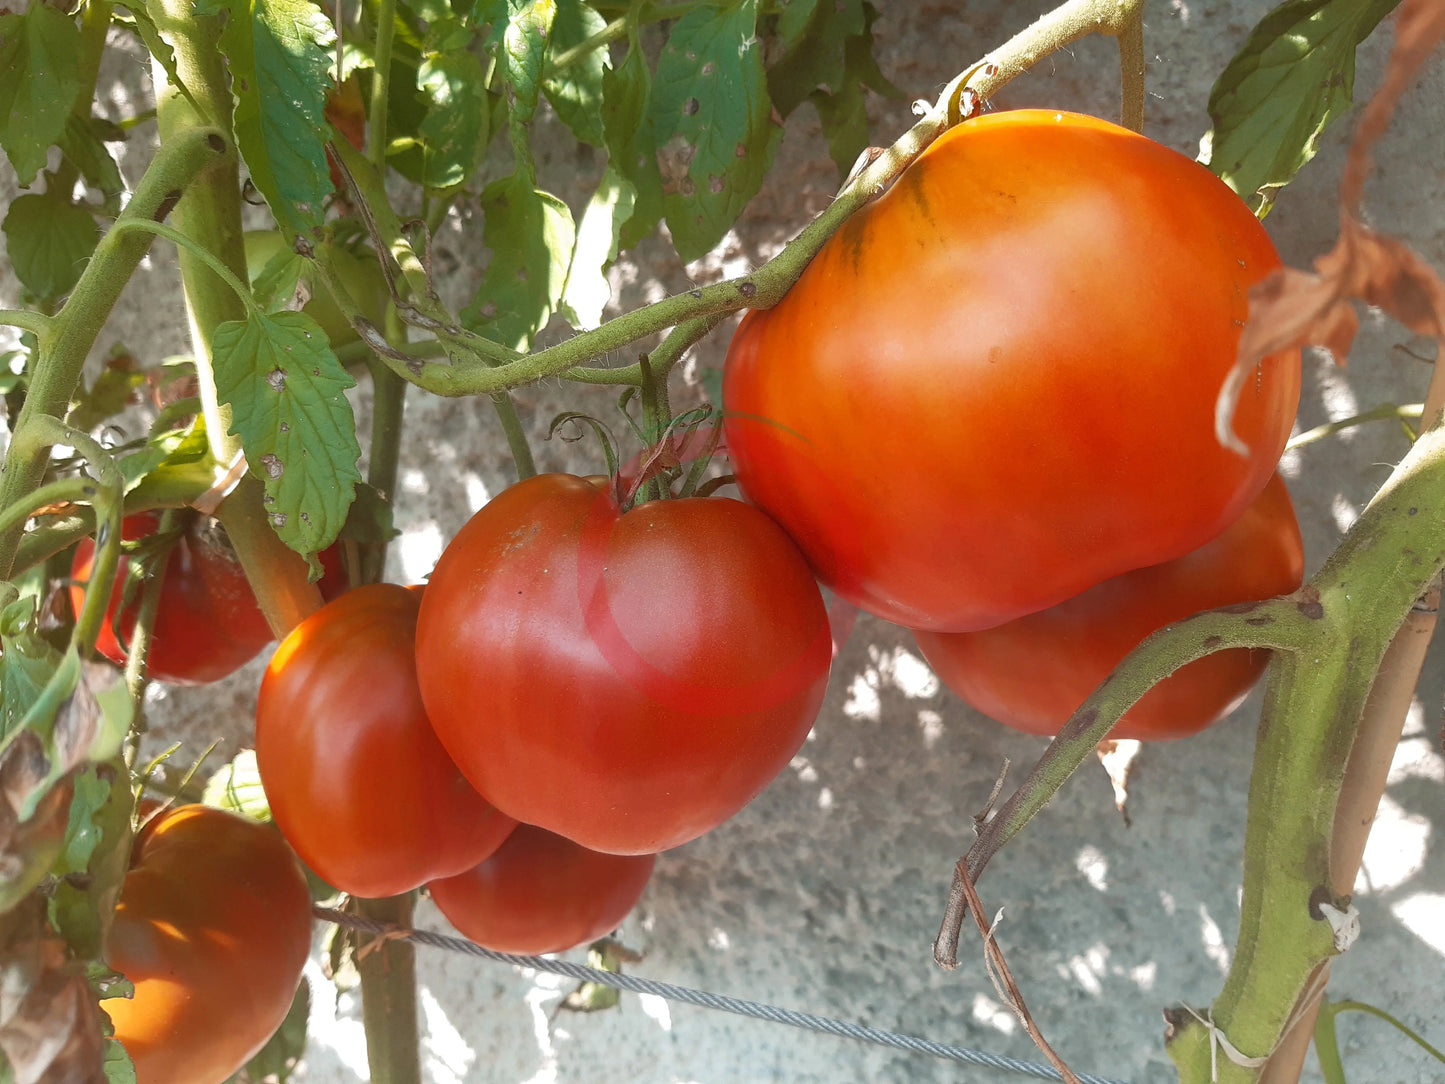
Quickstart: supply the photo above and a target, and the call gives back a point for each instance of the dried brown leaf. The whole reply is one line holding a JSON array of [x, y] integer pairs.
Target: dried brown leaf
[[1291, 308], [49, 1022], [1118, 755]]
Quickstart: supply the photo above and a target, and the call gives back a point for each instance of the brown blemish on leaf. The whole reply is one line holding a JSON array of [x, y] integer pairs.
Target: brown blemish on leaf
[[274, 466], [277, 379]]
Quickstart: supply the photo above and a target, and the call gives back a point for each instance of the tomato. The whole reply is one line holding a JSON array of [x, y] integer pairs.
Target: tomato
[[208, 624], [361, 275], [354, 776], [628, 681], [1033, 672], [213, 928], [542, 893], [995, 385]]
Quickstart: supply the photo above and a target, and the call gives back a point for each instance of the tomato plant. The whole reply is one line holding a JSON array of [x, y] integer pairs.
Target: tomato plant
[[208, 624], [213, 928], [995, 386], [354, 776], [628, 681], [542, 893], [1032, 672]]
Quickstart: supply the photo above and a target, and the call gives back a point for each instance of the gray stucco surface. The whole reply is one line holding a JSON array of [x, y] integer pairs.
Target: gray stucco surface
[[825, 893]]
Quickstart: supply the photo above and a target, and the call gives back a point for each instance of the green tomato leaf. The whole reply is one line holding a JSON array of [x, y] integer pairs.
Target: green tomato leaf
[[455, 130], [712, 123], [49, 239], [237, 788], [817, 59], [280, 73], [274, 286], [576, 90], [40, 55], [627, 126], [112, 391], [530, 233], [174, 460], [119, 1069], [1295, 75], [587, 291], [794, 21], [97, 844], [27, 664], [285, 388], [84, 145], [520, 29]]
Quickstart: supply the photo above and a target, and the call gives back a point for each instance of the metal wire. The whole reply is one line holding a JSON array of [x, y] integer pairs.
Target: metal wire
[[707, 1000]]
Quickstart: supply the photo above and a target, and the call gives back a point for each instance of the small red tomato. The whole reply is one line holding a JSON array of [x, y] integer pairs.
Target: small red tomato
[[355, 777], [208, 625], [631, 680], [1033, 672], [213, 928], [542, 893]]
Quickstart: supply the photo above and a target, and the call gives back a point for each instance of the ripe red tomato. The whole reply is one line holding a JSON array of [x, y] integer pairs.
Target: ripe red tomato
[[995, 385], [208, 624], [542, 893], [213, 928], [628, 681], [1033, 672], [355, 777]]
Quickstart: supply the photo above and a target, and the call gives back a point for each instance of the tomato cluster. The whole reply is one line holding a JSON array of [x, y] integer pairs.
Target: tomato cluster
[[600, 677], [985, 412]]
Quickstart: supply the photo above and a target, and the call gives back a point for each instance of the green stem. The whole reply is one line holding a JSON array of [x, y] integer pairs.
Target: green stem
[[211, 209], [388, 1002], [105, 495], [37, 323], [516, 435], [380, 84], [197, 252], [1312, 709], [140, 636], [1131, 70], [1280, 625], [67, 338]]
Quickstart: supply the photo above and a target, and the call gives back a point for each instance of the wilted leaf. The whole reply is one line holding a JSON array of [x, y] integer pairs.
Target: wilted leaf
[[816, 57], [112, 391], [50, 1027], [84, 145], [94, 859], [1117, 755], [285, 388]]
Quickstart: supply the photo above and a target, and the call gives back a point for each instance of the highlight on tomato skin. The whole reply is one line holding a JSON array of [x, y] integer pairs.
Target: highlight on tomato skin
[[542, 893], [354, 774], [213, 929], [1031, 673]]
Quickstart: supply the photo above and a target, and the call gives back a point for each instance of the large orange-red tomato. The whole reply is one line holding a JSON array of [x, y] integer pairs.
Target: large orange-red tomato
[[208, 624], [995, 385], [542, 893], [1033, 672], [628, 681], [213, 928], [354, 775]]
